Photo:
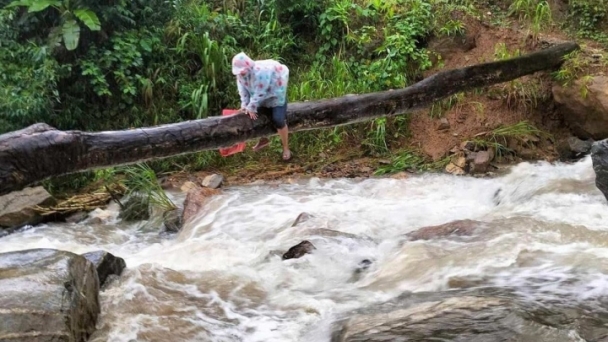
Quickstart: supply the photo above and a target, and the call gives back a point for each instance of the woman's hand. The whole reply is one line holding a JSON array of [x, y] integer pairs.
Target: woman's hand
[[252, 115]]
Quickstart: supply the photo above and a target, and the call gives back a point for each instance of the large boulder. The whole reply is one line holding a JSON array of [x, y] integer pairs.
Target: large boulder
[[16, 208], [47, 295], [584, 106], [599, 157], [488, 315], [106, 264], [195, 201]]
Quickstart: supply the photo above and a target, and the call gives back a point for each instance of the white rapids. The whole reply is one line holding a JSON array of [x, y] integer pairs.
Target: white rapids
[[222, 278]]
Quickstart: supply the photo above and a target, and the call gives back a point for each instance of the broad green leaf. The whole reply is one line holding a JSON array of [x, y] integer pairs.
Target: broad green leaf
[[55, 36], [145, 45], [71, 34], [40, 5], [89, 18], [16, 3]]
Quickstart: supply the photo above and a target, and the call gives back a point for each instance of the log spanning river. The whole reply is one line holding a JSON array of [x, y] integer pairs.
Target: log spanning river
[[534, 268]]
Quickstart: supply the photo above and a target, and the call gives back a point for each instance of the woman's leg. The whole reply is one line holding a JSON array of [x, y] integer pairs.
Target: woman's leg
[[280, 122]]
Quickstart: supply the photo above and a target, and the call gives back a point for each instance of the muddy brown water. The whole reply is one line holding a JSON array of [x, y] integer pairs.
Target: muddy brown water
[[220, 278]]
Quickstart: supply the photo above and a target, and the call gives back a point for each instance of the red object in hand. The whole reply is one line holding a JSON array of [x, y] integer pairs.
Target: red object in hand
[[226, 151]]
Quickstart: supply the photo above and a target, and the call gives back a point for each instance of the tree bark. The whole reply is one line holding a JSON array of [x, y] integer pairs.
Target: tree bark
[[40, 151]]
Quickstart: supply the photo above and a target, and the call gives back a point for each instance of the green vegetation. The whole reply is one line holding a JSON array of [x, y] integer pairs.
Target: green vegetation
[[498, 139], [536, 12], [588, 18], [411, 161], [99, 65]]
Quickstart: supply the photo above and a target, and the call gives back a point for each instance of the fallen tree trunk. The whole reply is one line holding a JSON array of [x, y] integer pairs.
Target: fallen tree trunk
[[40, 151]]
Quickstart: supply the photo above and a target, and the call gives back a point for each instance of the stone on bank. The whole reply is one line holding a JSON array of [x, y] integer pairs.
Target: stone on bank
[[17, 207], [47, 295]]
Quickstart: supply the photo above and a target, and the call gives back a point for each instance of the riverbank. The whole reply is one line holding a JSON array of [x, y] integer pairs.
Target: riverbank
[[532, 124]]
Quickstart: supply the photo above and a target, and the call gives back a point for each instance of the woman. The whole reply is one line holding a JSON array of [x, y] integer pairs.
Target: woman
[[263, 84]]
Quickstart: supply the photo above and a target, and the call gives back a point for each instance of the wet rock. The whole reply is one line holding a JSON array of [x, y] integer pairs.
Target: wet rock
[[579, 146], [587, 116], [453, 169], [473, 315], [573, 148], [303, 217], [187, 186], [481, 162], [444, 124], [213, 181], [195, 201], [364, 264], [47, 295], [299, 250], [172, 220], [454, 228], [77, 217], [106, 265], [497, 197], [135, 208], [454, 319], [599, 158], [16, 208], [9, 231]]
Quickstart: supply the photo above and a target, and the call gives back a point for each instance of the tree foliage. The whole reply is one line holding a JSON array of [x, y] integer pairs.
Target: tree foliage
[[93, 65]]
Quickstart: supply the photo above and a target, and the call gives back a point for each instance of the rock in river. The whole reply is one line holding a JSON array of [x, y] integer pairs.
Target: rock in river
[[47, 295], [450, 229], [196, 200], [106, 264], [299, 250], [484, 315], [599, 157]]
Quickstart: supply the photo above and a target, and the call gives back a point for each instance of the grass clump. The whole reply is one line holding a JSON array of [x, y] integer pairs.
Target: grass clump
[[498, 138], [411, 161]]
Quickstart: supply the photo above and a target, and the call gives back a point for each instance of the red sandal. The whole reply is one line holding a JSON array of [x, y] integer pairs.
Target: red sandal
[[263, 142]]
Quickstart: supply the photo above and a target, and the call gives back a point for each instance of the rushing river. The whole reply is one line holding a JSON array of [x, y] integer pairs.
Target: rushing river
[[222, 278]]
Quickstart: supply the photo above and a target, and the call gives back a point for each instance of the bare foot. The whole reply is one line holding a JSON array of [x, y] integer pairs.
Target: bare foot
[[286, 155]]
